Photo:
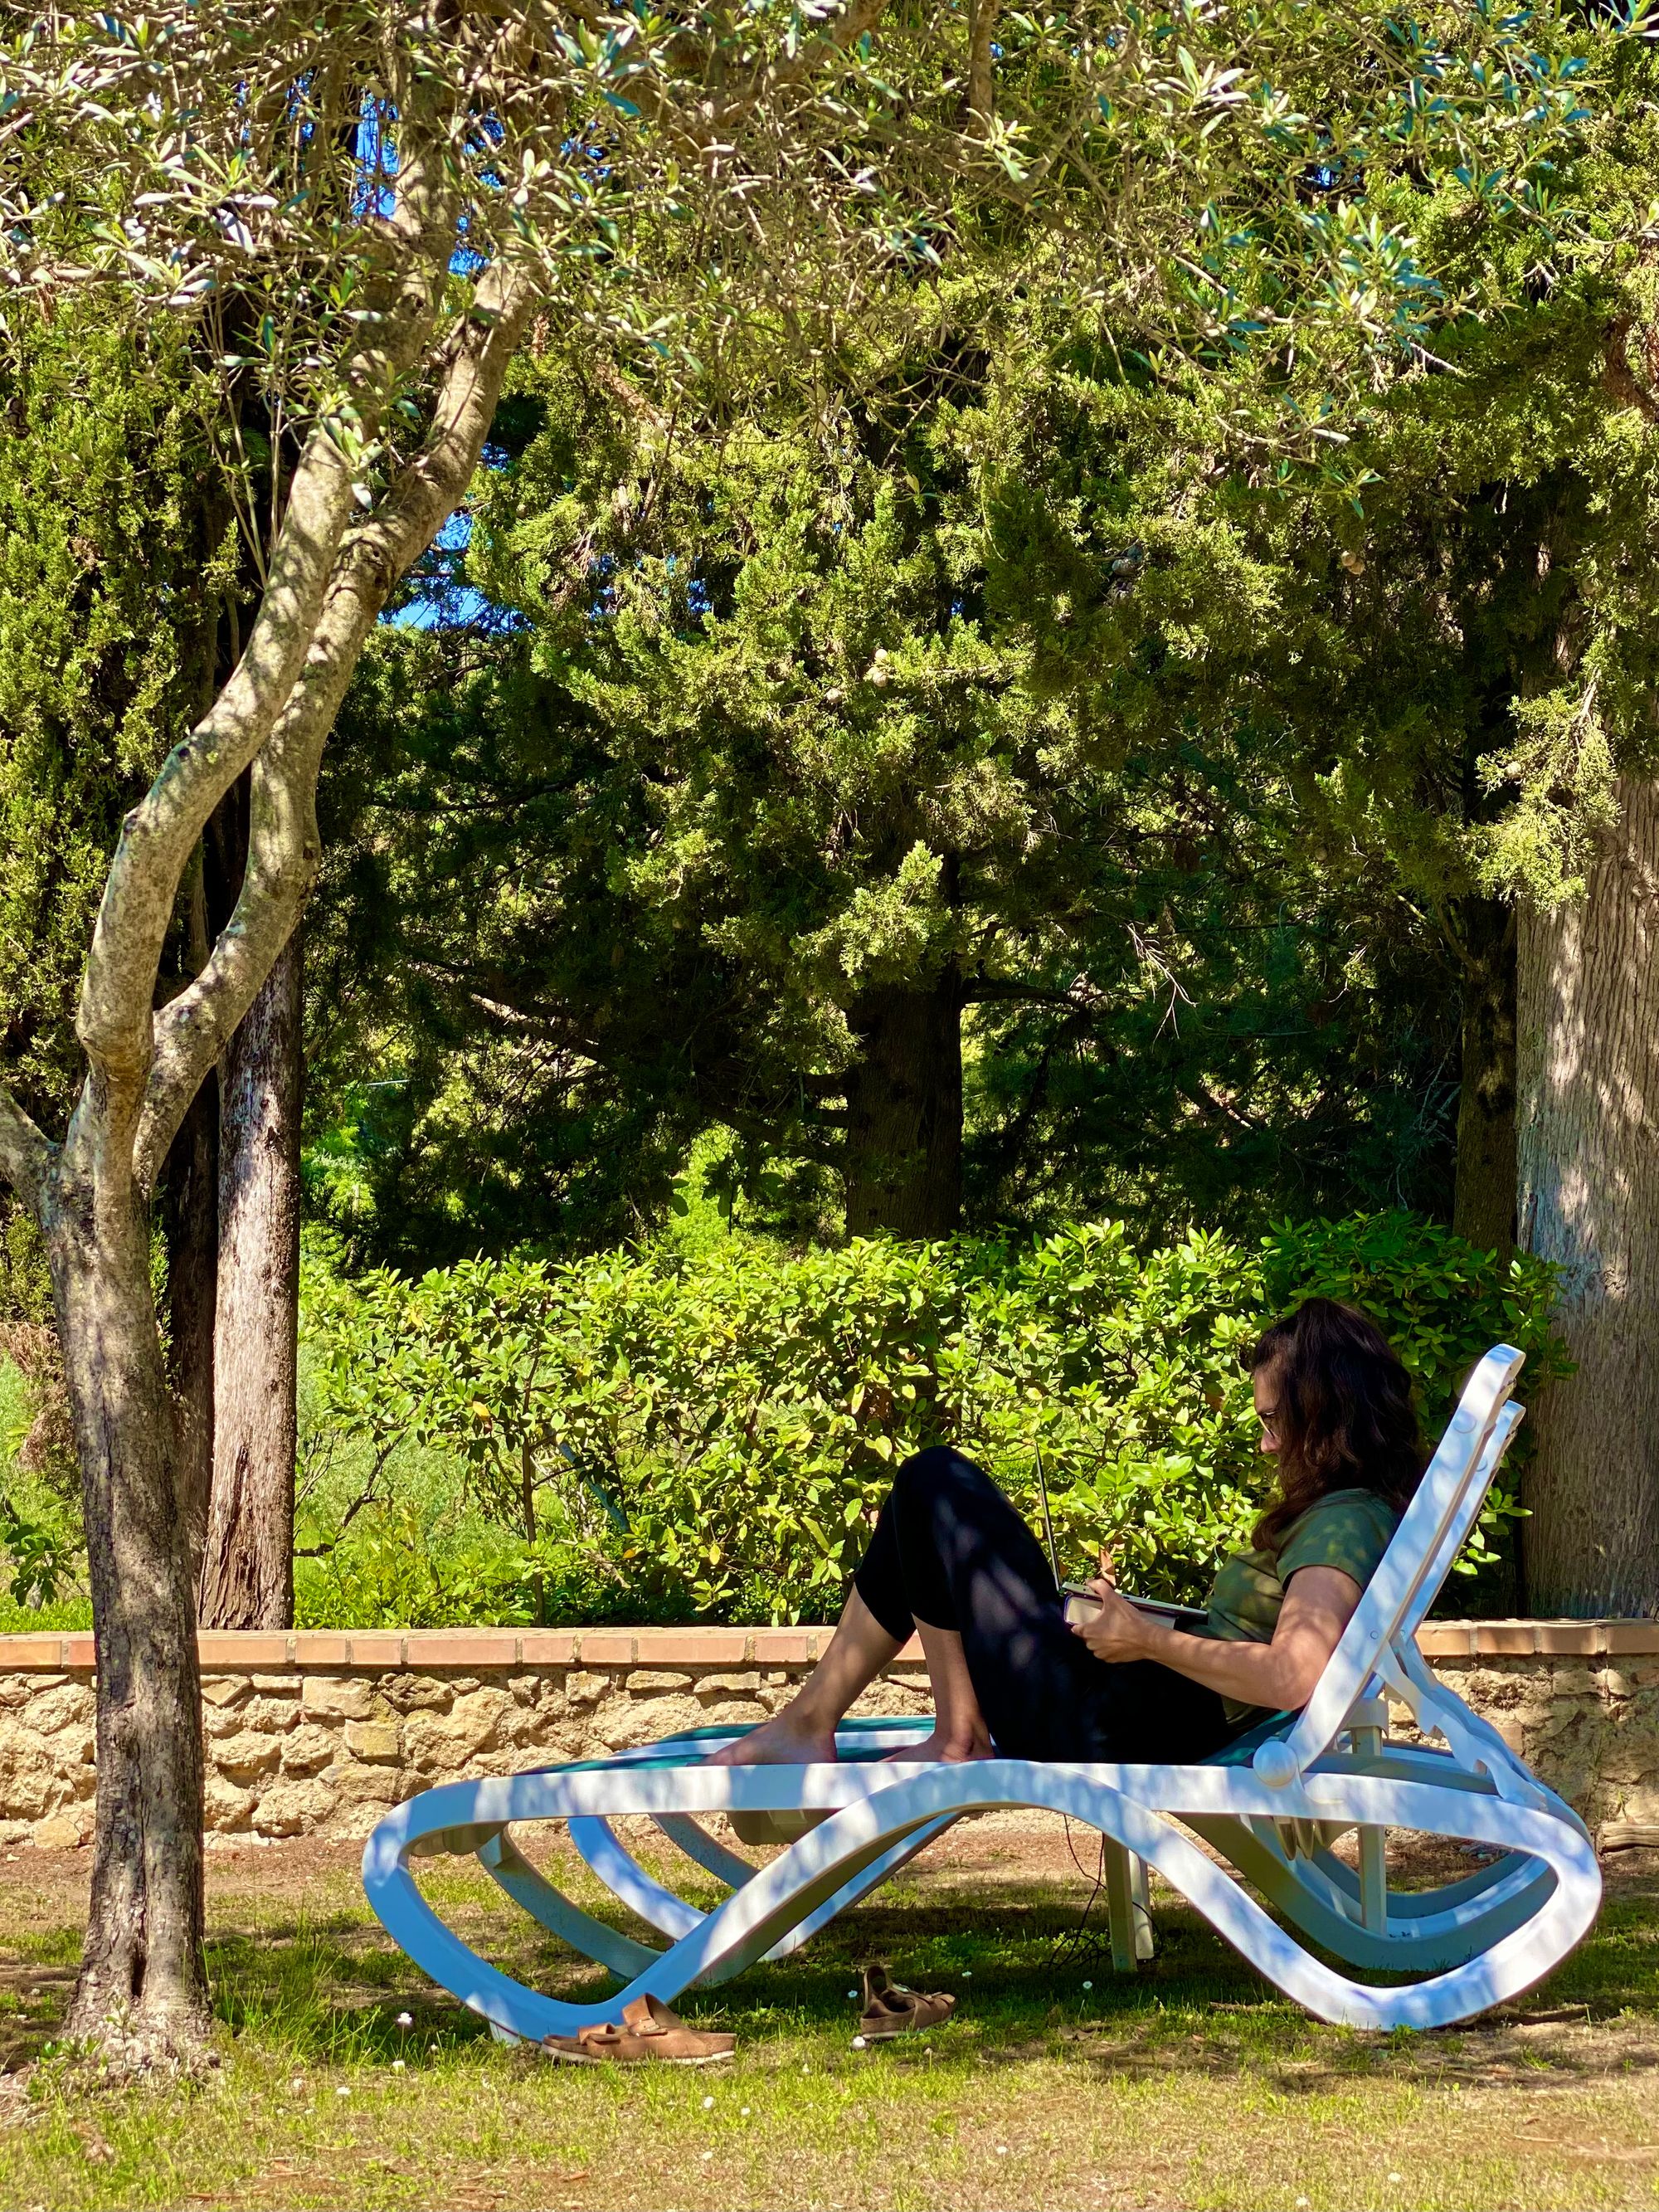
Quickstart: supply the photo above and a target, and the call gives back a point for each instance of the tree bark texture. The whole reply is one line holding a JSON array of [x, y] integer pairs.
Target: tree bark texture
[[247, 1565], [190, 1215], [143, 1991], [190, 1196], [1587, 1067], [903, 1157], [1483, 1207]]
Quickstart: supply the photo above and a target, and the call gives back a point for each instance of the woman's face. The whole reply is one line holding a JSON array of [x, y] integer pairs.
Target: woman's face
[[1265, 1384]]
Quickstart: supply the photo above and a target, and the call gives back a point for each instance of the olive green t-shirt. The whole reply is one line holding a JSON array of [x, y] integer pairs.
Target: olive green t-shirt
[[1349, 1529]]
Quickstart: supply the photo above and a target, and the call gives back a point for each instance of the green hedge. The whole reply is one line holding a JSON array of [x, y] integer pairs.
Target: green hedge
[[710, 1437]]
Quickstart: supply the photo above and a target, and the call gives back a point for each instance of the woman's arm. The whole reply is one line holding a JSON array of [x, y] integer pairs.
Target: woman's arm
[[1319, 1602]]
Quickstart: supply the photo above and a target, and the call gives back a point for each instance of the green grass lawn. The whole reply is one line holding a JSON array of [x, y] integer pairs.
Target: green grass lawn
[[1059, 2083]]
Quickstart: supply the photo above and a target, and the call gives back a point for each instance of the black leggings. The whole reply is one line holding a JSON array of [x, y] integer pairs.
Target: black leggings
[[950, 1550]]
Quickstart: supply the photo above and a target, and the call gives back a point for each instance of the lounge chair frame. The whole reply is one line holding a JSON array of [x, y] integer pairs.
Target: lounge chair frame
[[1272, 1805]]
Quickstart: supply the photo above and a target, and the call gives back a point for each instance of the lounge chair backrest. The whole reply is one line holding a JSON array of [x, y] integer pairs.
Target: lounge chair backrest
[[1462, 1520], [1407, 1580]]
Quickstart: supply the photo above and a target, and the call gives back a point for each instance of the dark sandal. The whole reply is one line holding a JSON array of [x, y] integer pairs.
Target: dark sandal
[[891, 2009], [649, 2032]]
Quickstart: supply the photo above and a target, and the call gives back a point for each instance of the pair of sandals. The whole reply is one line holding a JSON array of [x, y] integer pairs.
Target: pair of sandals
[[649, 2032]]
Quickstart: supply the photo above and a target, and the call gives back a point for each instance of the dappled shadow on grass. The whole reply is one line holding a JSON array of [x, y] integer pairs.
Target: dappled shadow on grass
[[33, 2002], [317, 1983], [329, 1990], [328, 1994]]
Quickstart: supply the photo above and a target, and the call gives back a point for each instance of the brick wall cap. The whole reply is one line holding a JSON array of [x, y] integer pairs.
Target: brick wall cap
[[237, 1651], [393, 1650], [1446, 1639], [459, 1647]]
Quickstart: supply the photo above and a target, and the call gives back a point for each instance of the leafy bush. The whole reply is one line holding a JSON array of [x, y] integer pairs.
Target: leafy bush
[[42, 1557], [46, 1445], [669, 1435]]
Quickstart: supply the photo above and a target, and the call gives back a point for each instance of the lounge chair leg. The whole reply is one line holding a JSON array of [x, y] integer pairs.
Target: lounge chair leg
[[1374, 1880], [1140, 1890], [1128, 1919]]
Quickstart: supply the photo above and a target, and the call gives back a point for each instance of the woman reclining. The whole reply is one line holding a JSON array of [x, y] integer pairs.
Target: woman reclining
[[952, 1559]]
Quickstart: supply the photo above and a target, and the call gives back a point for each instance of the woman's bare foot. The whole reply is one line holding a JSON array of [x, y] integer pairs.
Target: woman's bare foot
[[951, 1749], [788, 1739]]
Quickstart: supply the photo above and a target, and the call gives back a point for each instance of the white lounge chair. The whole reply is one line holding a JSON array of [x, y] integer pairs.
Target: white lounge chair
[[1271, 1804]]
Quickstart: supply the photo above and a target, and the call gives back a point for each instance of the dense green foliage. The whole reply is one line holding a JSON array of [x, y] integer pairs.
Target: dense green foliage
[[1177, 744], [102, 472], [106, 570], [42, 1558], [1003, 670], [904, 728], [709, 1435]]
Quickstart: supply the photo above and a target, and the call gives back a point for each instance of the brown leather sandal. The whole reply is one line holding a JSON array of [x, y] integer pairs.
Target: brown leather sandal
[[649, 2031], [891, 2009]]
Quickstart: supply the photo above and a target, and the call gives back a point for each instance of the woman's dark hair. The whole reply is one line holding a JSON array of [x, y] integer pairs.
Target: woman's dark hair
[[1346, 1419]]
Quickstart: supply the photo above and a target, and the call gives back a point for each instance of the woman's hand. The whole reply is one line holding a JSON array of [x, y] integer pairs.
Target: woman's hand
[[1117, 1631], [1319, 1602]]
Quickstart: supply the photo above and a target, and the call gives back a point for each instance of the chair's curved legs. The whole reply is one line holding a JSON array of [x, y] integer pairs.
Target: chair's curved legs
[[869, 1877], [627, 1880], [1445, 1909], [1411, 1943], [876, 1812], [529, 1887], [660, 1908], [705, 1850], [1420, 1929], [1420, 1903]]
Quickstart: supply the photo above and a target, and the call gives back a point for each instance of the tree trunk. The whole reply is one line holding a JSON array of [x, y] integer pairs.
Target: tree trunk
[[248, 1568], [142, 1997], [191, 1214], [1588, 1065], [190, 1220], [143, 1989], [1483, 1207], [903, 1158]]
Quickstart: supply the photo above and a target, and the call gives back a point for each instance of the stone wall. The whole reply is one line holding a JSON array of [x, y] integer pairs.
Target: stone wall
[[318, 1735]]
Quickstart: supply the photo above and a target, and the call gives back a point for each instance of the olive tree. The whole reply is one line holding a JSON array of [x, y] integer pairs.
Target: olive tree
[[360, 212], [357, 213]]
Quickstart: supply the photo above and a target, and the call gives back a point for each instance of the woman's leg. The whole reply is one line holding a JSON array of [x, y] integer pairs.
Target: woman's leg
[[803, 1733], [950, 1558], [970, 1568], [959, 1729], [877, 1620]]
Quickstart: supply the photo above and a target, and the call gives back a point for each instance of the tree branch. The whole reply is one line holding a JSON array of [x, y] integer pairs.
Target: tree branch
[[702, 127], [1619, 380], [982, 91], [25, 1154], [284, 847], [1081, 997], [114, 1023]]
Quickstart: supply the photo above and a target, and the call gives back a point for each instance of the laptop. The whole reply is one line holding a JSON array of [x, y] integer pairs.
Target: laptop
[[1080, 1602]]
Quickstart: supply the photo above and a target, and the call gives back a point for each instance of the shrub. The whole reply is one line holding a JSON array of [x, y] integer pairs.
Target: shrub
[[42, 1558], [710, 1436]]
